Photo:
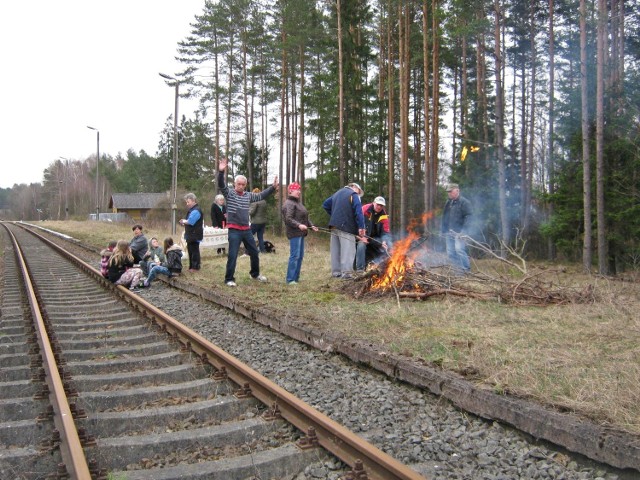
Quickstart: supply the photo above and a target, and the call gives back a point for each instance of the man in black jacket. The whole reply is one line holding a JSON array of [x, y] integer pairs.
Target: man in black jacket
[[456, 220], [193, 231]]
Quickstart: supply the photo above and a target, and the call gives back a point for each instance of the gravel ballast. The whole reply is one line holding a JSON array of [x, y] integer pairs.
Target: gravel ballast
[[418, 428]]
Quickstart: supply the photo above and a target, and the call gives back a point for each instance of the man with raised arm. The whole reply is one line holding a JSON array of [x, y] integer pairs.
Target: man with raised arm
[[238, 226]]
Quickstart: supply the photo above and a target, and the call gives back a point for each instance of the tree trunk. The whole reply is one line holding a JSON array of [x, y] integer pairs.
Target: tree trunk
[[342, 165], [229, 99], [603, 265], [216, 95], [299, 175], [403, 46], [551, 250], [245, 100], [391, 113], [586, 154], [435, 109], [526, 207], [283, 98], [425, 93], [502, 177]]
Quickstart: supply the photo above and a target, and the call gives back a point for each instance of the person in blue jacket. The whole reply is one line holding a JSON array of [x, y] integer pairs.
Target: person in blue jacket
[[346, 222], [193, 231]]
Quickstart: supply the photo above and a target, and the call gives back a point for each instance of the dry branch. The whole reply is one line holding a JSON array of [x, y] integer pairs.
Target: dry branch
[[422, 283]]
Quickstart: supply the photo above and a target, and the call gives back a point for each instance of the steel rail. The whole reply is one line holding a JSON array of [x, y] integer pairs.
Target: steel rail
[[70, 446], [344, 444]]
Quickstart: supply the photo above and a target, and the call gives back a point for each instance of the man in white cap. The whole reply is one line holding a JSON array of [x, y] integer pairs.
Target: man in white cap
[[456, 219], [374, 246], [346, 222]]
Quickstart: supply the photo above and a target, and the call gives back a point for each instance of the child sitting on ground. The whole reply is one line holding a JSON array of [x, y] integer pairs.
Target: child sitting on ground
[[105, 255], [173, 264], [121, 270], [154, 256]]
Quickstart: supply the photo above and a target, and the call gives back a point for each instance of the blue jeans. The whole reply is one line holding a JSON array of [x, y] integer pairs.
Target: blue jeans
[[236, 237], [258, 229], [296, 254], [157, 269], [457, 251]]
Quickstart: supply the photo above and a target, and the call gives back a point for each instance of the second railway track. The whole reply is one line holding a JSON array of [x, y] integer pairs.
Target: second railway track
[[147, 401]]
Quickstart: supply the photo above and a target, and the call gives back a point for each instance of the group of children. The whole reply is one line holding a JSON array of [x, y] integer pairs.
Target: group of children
[[118, 265]]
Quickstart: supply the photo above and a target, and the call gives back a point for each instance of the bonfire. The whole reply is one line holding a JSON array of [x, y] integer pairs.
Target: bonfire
[[414, 272]]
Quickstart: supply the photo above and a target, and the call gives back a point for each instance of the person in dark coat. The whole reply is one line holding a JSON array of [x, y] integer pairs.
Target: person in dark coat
[[219, 212], [258, 216], [297, 223], [138, 244], [346, 222], [375, 245], [193, 231], [456, 220], [219, 216]]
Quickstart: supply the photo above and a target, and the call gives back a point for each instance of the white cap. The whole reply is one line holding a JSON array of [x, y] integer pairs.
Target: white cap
[[380, 201], [355, 185]]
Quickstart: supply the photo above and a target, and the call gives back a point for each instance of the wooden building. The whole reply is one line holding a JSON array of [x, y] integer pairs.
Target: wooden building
[[137, 205]]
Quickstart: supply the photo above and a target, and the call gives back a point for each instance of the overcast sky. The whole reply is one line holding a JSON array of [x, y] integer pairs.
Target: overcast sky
[[71, 63]]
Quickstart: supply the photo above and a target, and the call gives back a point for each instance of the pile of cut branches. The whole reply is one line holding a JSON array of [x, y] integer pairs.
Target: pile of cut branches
[[525, 289]]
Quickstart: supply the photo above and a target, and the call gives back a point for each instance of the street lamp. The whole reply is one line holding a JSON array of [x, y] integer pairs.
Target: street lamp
[[97, 171], [174, 169], [66, 188]]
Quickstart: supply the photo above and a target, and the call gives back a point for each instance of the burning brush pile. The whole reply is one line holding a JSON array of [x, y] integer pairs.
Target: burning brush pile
[[406, 274]]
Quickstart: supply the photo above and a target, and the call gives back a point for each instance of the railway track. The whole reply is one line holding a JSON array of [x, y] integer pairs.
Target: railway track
[[97, 383]]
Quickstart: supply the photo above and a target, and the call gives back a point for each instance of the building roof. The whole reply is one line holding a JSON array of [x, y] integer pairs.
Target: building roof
[[136, 200]]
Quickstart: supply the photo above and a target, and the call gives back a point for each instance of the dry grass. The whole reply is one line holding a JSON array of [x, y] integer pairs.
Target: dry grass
[[576, 357]]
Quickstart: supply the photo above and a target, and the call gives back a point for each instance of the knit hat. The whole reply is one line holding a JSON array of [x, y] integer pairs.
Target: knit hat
[[295, 186]]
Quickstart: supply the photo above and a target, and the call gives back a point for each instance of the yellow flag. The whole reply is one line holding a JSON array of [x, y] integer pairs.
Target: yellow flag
[[474, 149], [463, 153]]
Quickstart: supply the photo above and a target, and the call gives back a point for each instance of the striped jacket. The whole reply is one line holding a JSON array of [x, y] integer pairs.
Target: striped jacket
[[238, 205]]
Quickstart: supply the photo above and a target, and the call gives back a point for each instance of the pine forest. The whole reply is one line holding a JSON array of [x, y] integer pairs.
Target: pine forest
[[532, 107]]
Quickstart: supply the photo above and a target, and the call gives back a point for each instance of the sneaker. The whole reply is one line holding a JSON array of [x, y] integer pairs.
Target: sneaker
[[231, 283], [260, 278], [146, 284], [292, 282]]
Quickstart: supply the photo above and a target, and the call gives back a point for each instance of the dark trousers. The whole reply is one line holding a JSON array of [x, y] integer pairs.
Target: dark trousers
[[193, 249], [236, 237], [258, 230]]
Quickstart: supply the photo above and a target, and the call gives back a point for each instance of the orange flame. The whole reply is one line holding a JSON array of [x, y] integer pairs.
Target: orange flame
[[402, 259]]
